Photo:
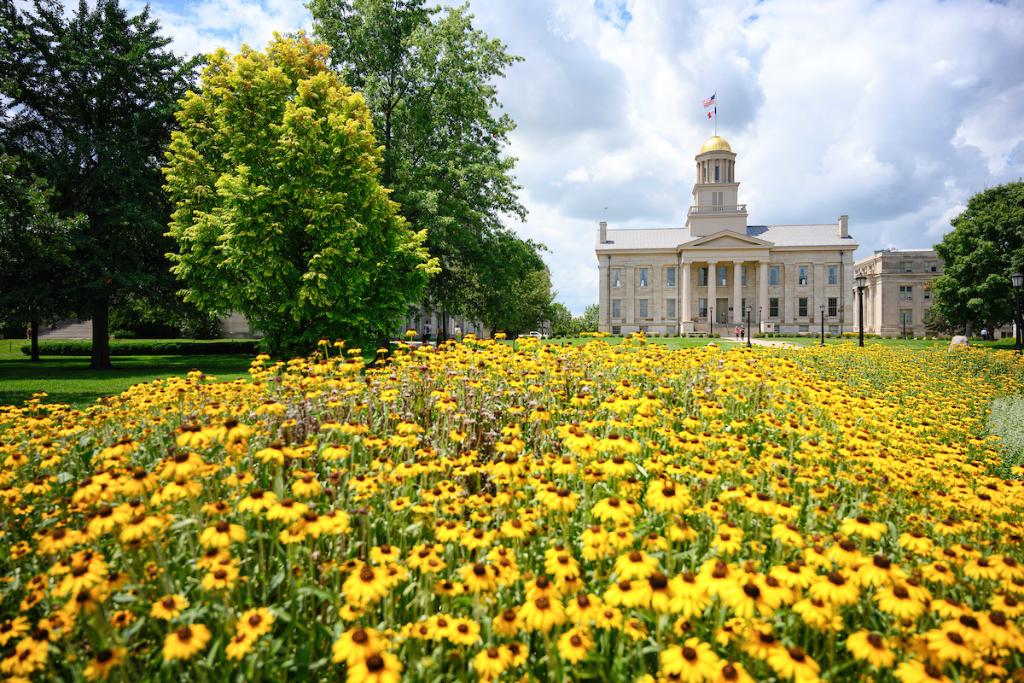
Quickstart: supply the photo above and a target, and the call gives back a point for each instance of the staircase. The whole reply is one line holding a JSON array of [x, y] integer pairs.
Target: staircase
[[68, 329]]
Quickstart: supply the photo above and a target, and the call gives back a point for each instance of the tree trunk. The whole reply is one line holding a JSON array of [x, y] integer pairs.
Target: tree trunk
[[35, 339], [100, 334]]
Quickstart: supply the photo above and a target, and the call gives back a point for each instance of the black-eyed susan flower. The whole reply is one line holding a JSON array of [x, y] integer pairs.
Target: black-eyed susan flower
[[185, 642], [872, 648]]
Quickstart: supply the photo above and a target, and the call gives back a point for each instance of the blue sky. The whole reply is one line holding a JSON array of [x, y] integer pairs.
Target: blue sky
[[892, 112]]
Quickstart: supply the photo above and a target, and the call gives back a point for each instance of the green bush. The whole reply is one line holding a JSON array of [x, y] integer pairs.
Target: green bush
[[149, 347]]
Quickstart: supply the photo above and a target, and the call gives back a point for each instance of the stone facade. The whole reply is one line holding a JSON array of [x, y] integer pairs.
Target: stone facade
[[713, 272], [898, 291]]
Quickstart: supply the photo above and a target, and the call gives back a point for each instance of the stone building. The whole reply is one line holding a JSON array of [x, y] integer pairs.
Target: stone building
[[898, 291], [707, 274]]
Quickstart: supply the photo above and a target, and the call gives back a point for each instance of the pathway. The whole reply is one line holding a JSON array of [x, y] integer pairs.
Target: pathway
[[762, 342]]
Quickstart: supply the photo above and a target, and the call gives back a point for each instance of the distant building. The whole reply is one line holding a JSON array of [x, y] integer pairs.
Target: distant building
[[713, 269], [898, 292]]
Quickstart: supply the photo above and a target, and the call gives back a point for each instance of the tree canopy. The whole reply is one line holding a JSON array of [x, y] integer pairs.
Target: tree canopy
[[984, 248], [92, 94], [35, 250], [429, 78], [279, 212]]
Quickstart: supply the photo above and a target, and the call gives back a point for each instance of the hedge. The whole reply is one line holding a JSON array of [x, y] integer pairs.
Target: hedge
[[149, 347]]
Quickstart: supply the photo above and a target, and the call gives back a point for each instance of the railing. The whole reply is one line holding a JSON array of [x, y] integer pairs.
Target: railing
[[733, 208]]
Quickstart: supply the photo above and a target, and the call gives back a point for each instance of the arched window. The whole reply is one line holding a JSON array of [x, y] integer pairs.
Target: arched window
[[716, 172]]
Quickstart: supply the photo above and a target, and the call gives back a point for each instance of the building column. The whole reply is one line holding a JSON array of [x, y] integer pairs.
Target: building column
[[737, 292], [712, 289], [762, 291], [685, 316]]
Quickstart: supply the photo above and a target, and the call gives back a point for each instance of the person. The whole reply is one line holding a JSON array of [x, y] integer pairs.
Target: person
[[737, 331], [426, 334], [984, 334]]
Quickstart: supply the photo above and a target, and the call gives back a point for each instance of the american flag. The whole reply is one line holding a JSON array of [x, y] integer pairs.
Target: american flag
[[709, 101]]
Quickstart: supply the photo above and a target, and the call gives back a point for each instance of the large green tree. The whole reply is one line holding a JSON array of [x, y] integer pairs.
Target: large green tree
[[35, 251], [279, 211], [984, 248], [92, 95], [429, 78]]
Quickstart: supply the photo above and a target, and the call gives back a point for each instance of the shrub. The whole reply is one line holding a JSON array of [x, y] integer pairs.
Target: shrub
[[149, 347]]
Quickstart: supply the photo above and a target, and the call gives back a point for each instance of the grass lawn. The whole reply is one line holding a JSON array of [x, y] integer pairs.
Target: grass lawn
[[69, 379], [670, 342]]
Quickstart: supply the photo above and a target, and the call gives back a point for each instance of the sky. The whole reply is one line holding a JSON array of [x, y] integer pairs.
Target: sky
[[894, 113]]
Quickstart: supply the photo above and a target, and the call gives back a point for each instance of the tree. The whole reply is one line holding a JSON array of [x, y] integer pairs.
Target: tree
[[517, 295], [279, 213], [588, 322], [985, 247], [562, 323], [35, 251], [428, 77], [92, 96]]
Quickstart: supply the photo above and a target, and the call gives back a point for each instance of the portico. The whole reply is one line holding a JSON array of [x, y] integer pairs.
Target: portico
[[716, 267]]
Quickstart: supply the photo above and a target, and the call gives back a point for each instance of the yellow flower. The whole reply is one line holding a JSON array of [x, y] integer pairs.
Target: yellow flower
[[379, 667], [575, 644], [185, 642], [103, 663], [693, 662]]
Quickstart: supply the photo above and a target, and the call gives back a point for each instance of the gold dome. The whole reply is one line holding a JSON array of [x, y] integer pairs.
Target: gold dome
[[715, 144]]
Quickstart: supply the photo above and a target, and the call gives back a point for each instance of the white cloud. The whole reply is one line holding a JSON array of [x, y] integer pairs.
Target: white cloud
[[892, 112]]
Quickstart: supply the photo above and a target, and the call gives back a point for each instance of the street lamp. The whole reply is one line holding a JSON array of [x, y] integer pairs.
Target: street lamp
[[821, 310], [862, 283], [711, 321], [748, 327], [1017, 280]]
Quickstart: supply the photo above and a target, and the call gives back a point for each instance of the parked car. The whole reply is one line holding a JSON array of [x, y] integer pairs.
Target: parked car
[[535, 334]]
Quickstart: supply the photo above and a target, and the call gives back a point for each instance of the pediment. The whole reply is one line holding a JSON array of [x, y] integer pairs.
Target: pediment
[[727, 239]]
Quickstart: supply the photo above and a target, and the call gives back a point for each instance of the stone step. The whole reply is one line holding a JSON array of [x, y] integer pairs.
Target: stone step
[[69, 329]]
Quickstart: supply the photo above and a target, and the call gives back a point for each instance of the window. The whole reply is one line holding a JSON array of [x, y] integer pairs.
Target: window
[[927, 295], [616, 277], [773, 307], [774, 274], [616, 308], [906, 292], [723, 279], [670, 277], [616, 330], [802, 307], [702, 308], [702, 277], [932, 266], [643, 308], [643, 276], [908, 266], [833, 275], [670, 308], [802, 281], [906, 318], [743, 276], [833, 306], [717, 173], [716, 198]]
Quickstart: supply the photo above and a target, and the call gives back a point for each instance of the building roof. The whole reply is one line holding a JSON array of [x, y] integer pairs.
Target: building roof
[[815, 235], [715, 143]]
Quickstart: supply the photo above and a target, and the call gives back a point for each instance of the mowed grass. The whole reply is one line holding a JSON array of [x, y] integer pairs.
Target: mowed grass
[[69, 379], [670, 342]]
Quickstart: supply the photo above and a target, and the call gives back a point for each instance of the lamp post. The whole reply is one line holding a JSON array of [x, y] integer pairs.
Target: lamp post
[[711, 321], [1017, 280], [821, 311], [748, 327], [862, 282], [760, 328]]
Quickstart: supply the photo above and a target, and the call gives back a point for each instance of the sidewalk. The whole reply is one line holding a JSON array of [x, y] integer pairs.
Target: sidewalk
[[761, 342]]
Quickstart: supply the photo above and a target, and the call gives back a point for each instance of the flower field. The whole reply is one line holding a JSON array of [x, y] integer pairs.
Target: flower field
[[479, 512]]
